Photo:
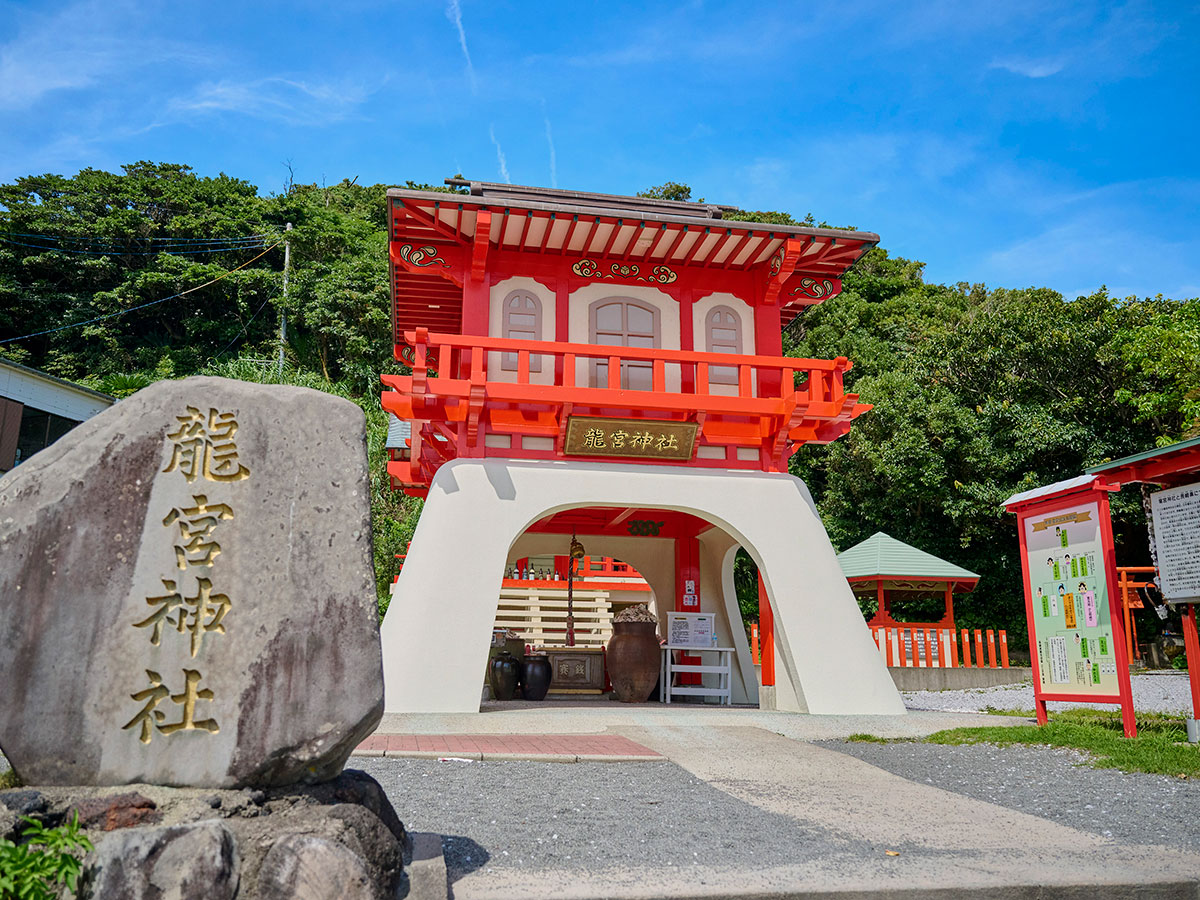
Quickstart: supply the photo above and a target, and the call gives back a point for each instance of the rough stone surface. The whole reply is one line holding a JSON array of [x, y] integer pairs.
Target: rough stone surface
[[182, 862], [303, 867], [116, 811], [252, 546], [351, 812]]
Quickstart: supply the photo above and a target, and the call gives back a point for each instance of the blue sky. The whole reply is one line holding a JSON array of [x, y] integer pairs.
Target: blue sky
[[1010, 143]]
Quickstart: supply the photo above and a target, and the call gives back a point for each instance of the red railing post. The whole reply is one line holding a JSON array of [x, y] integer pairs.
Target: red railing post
[[966, 647], [991, 638], [1003, 650], [978, 649]]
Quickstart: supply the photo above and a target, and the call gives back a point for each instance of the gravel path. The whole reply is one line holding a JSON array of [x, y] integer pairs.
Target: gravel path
[[1151, 693], [1054, 784], [590, 816]]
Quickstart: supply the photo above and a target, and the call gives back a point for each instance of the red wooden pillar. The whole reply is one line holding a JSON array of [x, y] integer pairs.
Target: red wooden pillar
[[766, 635], [948, 619], [687, 339], [1191, 645], [687, 574]]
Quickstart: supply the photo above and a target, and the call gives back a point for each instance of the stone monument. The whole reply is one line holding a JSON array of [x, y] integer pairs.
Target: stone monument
[[187, 604]]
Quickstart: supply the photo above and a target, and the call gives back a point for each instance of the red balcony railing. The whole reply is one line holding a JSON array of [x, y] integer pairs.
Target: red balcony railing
[[475, 396]]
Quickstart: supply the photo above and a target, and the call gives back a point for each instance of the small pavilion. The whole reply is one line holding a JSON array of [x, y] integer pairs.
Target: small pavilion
[[883, 567]]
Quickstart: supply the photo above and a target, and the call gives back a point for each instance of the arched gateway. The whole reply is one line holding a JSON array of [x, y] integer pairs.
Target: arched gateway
[[512, 440]]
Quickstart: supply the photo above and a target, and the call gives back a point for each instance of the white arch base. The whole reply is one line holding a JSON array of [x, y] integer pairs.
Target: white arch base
[[437, 630]]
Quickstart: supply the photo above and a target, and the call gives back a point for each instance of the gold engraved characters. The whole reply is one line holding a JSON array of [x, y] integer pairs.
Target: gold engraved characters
[[151, 717], [204, 446], [630, 438], [197, 615], [195, 546]]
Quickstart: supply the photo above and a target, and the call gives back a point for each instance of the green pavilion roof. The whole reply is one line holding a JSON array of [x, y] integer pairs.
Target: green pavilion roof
[[1146, 456], [882, 556]]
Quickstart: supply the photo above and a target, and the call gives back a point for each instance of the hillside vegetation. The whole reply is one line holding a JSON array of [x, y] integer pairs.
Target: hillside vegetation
[[978, 392]]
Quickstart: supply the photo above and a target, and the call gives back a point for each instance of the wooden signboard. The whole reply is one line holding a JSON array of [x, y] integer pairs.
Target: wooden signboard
[[1176, 515], [1076, 643], [629, 438]]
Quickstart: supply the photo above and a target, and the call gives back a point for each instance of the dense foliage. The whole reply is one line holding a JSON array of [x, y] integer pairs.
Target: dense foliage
[[977, 393]]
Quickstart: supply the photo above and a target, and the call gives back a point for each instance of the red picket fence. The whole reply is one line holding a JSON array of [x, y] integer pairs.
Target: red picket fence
[[940, 648]]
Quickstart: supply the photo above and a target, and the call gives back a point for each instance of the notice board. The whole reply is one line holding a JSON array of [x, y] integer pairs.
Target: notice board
[[690, 629], [1071, 616], [1176, 514]]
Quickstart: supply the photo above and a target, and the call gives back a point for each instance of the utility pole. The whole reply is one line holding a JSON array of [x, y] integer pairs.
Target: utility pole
[[287, 262]]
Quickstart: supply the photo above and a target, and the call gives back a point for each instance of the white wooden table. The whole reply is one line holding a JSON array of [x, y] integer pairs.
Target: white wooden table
[[668, 668]]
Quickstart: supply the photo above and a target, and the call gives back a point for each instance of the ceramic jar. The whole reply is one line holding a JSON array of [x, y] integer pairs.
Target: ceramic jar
[[633, 660]]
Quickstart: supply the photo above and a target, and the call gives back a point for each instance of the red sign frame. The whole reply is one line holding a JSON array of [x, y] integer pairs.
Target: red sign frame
[[1094, 492]]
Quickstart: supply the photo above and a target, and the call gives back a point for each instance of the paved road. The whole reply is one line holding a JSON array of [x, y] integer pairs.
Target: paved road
[[743, 811], [1054, 784]]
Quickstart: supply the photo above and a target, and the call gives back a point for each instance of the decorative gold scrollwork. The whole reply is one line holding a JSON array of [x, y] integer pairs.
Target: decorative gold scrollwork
[[660, 275], [422, 256], [589, 268], [409, 356], [811, 287], [776, 263]]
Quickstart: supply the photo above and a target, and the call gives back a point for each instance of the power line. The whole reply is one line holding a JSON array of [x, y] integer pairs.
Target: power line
[[151, 239], [114, 252], [122, 312]]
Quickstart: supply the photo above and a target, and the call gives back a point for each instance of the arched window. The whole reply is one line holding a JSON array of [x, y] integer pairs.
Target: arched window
[[624, 322], [723, 334], [521, 320]]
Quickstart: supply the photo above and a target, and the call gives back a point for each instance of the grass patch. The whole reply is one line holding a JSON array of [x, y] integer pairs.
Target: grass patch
[[9, 780], [1020, 713], [1160, 747], [861, 737]]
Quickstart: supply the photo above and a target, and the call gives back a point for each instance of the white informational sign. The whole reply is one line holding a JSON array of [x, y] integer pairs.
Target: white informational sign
[[1176, 513], [690, 629]]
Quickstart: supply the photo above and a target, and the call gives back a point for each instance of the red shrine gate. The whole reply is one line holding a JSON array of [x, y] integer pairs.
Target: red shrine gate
[[610, 356]]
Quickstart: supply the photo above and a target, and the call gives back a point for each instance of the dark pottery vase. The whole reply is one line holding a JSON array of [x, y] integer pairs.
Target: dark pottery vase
[[503, 674], [633, 660], [536, 675]]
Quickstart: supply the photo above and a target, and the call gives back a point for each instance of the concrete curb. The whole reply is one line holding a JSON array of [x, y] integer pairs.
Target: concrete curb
[[508, 757], [426, 870]]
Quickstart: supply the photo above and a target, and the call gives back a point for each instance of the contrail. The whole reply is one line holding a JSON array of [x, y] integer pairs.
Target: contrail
[[499, 155], [454, 14], [553, 160]]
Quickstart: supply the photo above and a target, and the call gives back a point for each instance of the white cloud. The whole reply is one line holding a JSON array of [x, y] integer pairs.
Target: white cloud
[[1030, 68], [83, 45], [275, 98]]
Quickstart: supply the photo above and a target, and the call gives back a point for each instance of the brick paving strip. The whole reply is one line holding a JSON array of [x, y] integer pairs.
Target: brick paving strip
[[540, 747]]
